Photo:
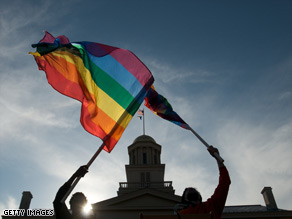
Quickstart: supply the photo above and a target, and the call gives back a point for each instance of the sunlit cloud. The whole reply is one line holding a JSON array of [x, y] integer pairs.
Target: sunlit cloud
[[170, 74], [253, 152], [285, 96], [10, 204]]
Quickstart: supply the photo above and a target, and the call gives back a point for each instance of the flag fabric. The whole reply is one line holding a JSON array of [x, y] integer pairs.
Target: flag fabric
[[161, 107], [110, 82], [141, 112]]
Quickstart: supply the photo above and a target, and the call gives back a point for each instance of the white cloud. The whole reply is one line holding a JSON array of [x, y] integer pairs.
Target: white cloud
[[252, 153], [11, 203], [285, 95], [169, 74]]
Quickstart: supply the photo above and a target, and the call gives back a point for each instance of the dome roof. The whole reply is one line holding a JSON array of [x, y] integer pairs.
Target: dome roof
[[143, 138]]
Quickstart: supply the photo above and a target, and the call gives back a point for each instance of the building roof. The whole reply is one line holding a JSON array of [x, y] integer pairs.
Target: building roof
[[140, 199], [143, 138], [247, 209]]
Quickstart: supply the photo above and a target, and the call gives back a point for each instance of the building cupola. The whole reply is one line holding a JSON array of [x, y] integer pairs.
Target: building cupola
[[145, 169], [144, 151]]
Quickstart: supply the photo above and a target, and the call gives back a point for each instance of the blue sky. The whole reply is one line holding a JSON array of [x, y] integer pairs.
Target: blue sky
[[225, 66]]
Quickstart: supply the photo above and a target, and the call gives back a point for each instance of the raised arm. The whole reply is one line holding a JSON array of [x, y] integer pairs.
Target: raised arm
[[217, 201], [61, 210]]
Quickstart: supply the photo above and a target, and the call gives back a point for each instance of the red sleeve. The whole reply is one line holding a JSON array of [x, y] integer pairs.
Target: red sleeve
[[217, 201]]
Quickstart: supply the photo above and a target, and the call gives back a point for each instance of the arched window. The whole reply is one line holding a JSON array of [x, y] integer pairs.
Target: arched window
[[144, 158]]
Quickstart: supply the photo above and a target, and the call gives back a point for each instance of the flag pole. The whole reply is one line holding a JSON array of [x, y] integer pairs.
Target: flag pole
[[206, 144], [143, 122], [95, 155], [78, 178]]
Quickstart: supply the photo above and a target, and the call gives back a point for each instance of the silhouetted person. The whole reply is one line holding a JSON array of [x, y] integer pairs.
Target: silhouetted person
[[77, 202], [192, 199]]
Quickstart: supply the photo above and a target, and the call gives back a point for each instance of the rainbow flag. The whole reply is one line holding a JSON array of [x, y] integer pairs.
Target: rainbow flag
[[161, 107], [110, 82]]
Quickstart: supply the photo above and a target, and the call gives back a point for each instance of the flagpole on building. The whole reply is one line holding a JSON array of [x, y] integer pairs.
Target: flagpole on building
[[143, 122], [140, 115]]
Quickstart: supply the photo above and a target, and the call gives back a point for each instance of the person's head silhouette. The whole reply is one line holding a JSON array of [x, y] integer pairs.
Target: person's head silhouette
[[191, 196], [77, 203]]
